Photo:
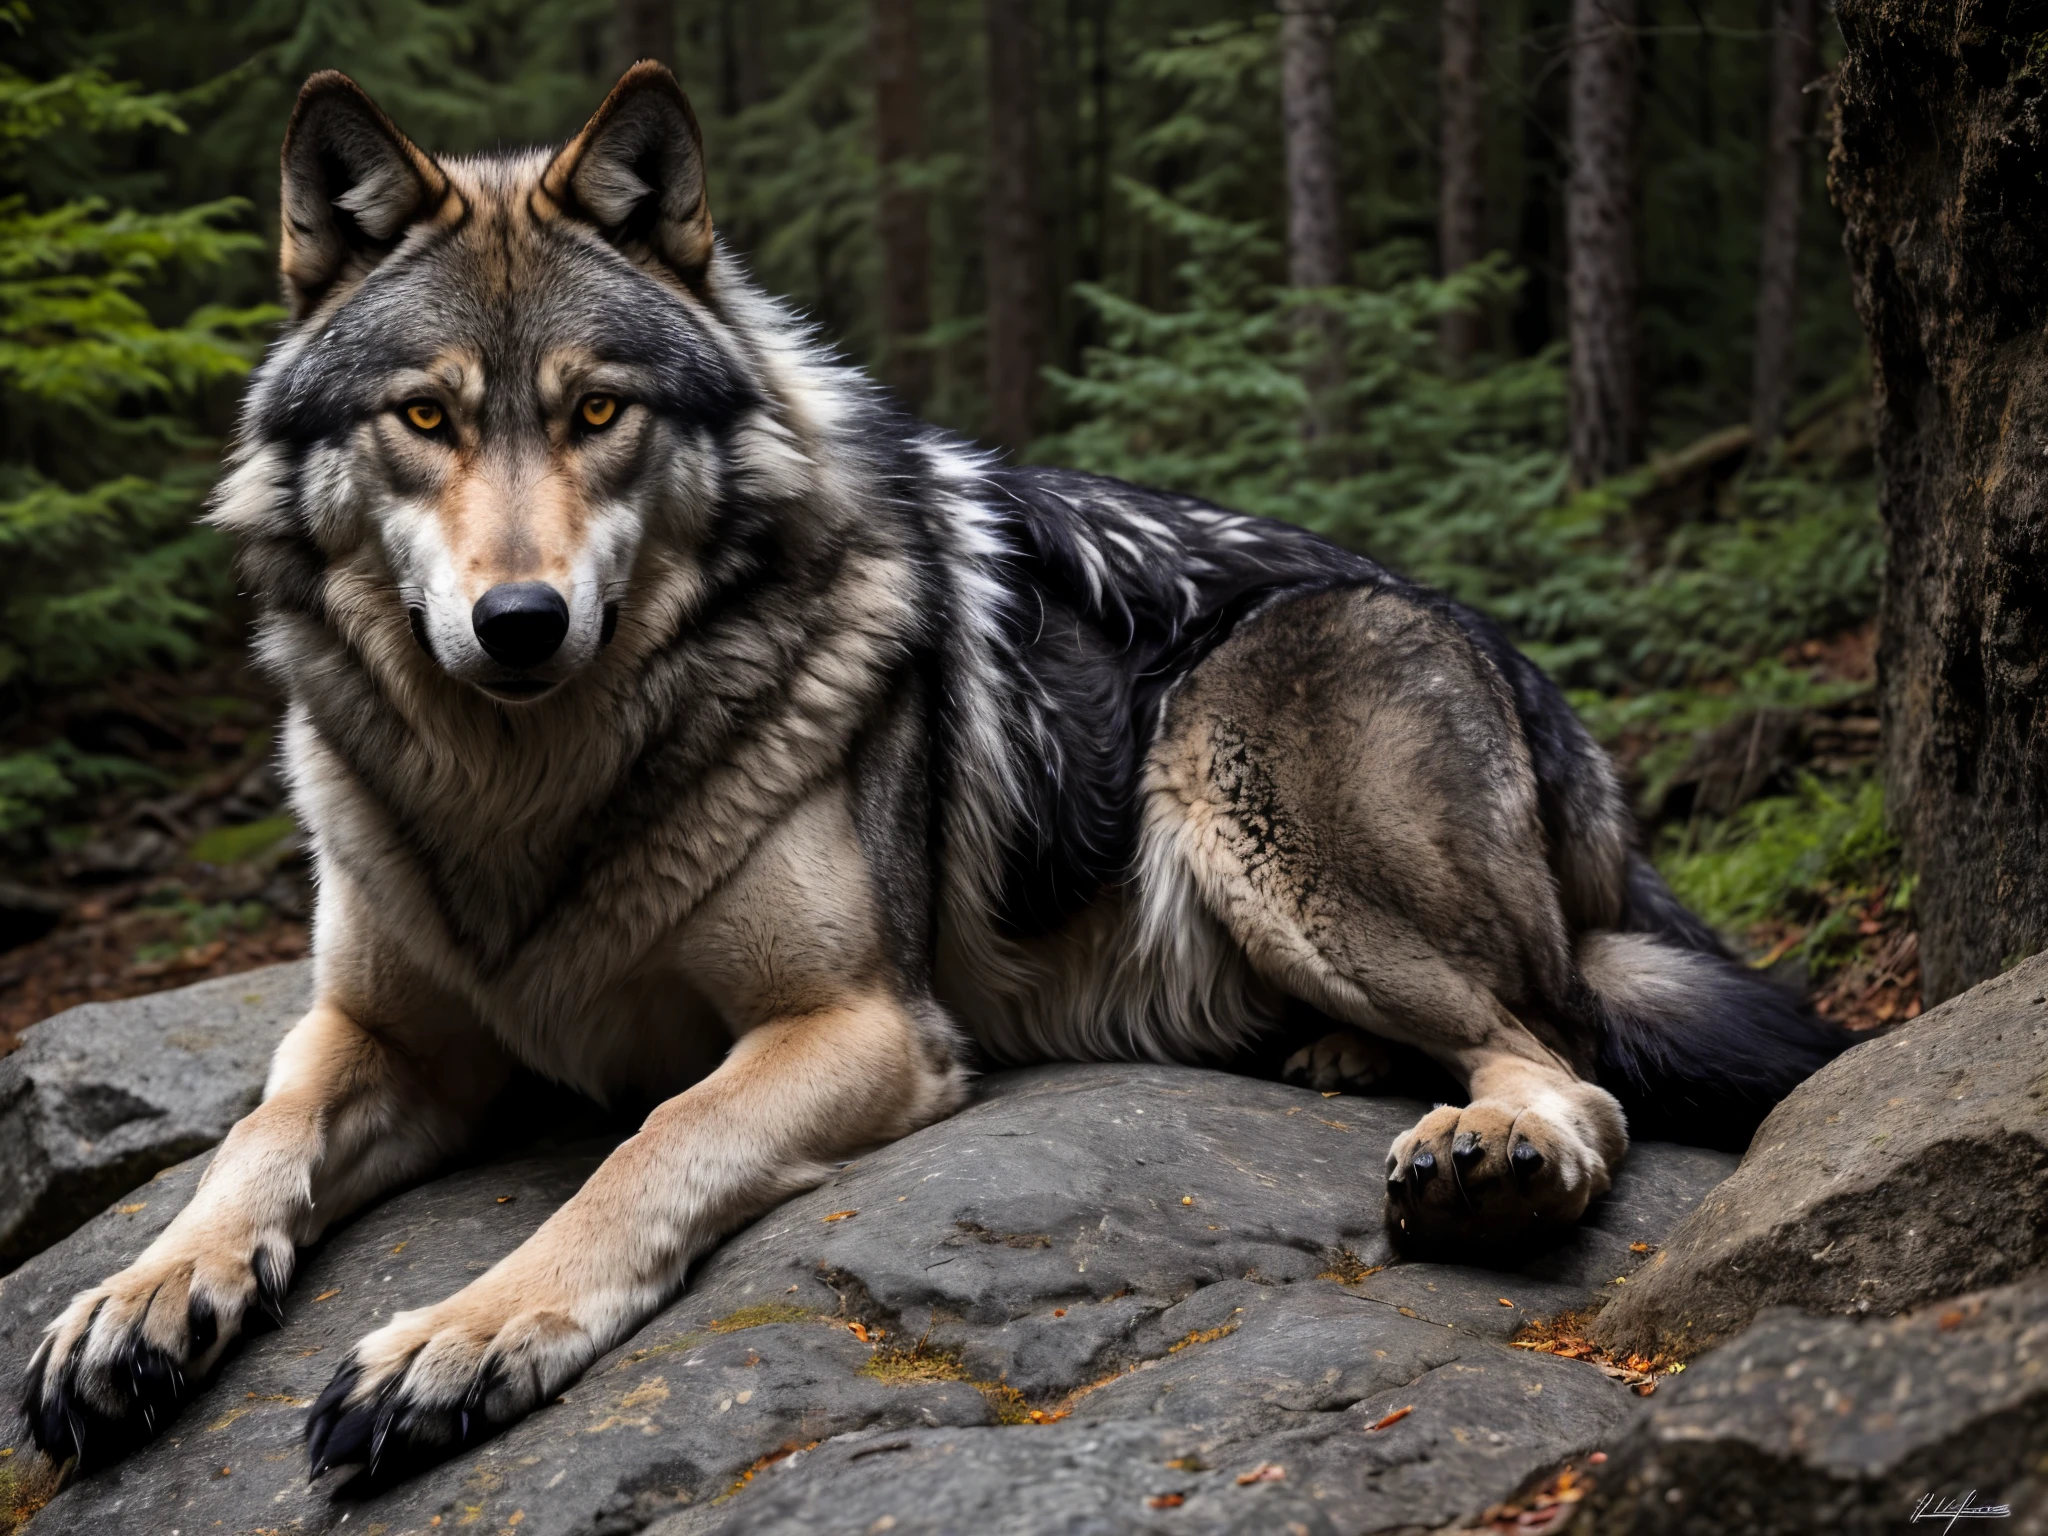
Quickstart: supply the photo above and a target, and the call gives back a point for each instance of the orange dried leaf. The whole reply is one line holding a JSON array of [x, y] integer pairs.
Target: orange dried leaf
[[1395, 1417], [841, 1215], [1167, 1500], [1264, 1472]]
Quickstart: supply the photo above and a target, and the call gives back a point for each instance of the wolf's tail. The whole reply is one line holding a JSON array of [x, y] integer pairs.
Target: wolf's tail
[[1697, 1046]]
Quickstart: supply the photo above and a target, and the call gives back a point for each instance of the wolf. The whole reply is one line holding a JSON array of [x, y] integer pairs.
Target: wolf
[[672, 717]]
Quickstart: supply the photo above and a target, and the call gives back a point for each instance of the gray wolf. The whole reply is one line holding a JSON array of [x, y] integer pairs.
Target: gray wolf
[[673, 718]]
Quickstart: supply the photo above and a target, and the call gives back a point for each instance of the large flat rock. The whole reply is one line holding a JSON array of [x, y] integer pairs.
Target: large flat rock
[[1911, 1167], [1803, 1424], [1176, 1269], [100, 1097]]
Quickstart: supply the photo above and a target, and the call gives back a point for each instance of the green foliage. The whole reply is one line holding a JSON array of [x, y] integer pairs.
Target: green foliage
[[1456, 478], [106, 453], [1806, 857]]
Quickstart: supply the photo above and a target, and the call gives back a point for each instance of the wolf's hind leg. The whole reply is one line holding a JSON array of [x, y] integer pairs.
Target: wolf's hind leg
[[1343, 1061], [793, 1095], [345, 1117], [1347, 783]]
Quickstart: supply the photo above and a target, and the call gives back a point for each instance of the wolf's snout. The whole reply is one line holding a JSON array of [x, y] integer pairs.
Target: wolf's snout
[[521, 623]]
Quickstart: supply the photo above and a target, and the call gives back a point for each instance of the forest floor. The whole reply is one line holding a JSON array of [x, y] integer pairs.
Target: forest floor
[[192, 868]]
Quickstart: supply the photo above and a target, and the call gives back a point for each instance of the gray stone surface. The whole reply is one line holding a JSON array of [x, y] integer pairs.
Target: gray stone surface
[[1804, 1424], [100, 1097], [1911, 1167], [1157, 1254]]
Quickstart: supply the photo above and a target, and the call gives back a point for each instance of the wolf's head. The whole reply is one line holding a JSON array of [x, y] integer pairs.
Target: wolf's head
[[499, 389]]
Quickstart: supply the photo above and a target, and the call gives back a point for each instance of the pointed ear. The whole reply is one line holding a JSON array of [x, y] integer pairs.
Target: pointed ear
[[636, 171], [353, 184]]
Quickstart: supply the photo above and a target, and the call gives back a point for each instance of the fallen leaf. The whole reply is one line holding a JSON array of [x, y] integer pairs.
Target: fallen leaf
[[841, 1215], [1337, 1095], [130, 1210], [328, 1295], [1040, 1416], [1638, 1247], [1169, 1500], [1505, 1302], [864, 1333], [1265, 1472], [505, 1199], [399, 1249], [1949, 1320], [1059, 1311], [1393, 1418], [1188, 1464]]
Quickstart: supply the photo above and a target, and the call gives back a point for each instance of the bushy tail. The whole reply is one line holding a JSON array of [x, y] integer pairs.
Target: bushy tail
[[1697, 1047]]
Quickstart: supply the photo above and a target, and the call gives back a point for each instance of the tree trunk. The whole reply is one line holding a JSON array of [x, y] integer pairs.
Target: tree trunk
[[1315, 247], [903, 223], [1600, 239], [1461, 191], [1777, 279], [647, 30], [1936, 169], [1015, 226]]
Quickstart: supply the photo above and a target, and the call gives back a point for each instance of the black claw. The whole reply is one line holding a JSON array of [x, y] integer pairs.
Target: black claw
[[1467, 1149], [1422, 1168], [326, 1444], [205, 1326], [1525, 1160], [273, 1276]]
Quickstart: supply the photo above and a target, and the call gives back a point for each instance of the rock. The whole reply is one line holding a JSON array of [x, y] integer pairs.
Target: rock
[[102, 1096], [1179, 1271], [1804, 1424], [1911, 1167]]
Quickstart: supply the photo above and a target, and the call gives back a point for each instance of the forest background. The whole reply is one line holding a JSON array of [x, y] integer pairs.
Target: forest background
[[1541, 301]]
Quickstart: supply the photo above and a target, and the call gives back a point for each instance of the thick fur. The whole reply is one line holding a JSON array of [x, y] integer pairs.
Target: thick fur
[[862, 759]]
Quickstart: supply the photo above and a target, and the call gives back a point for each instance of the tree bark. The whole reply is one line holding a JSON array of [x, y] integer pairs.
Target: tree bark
[[1936, 170], [1777, 281], [1600, 238], [1015, 224], [1315, 246], [1461, 189], [647, 30], [902, 218]]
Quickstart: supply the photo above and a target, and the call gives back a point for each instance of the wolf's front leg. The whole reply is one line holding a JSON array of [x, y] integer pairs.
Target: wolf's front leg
[[794, 1094], [348, 1113]]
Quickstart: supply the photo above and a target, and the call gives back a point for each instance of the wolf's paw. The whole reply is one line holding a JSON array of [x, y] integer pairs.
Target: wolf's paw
[[1345, 1060], [1505, 1166], [430, 1382], [124, 1356]]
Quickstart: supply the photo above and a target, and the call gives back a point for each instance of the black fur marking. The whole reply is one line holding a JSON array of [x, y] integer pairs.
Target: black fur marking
[[1118, 593], [1711, 1077]]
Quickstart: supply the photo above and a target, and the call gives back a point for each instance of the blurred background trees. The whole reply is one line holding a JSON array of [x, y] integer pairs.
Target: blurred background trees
[[1540, 300]]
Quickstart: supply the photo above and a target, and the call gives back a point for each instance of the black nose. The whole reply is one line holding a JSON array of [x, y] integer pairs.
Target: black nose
[[521, 623]]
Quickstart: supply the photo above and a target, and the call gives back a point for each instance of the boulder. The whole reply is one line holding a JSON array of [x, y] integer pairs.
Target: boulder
[[102, 1096], [1911, 1167], [1098, 1299], [1804, 1424]]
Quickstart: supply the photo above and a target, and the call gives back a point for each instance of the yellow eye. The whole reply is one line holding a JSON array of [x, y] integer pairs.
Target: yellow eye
[[598, 410], [424, 414]]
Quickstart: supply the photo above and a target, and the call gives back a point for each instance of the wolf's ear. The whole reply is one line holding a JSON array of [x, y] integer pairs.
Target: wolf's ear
[[352, 185], [636, 171]]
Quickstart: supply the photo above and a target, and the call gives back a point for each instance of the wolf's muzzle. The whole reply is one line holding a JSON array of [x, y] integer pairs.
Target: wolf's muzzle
[[521, 623]]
